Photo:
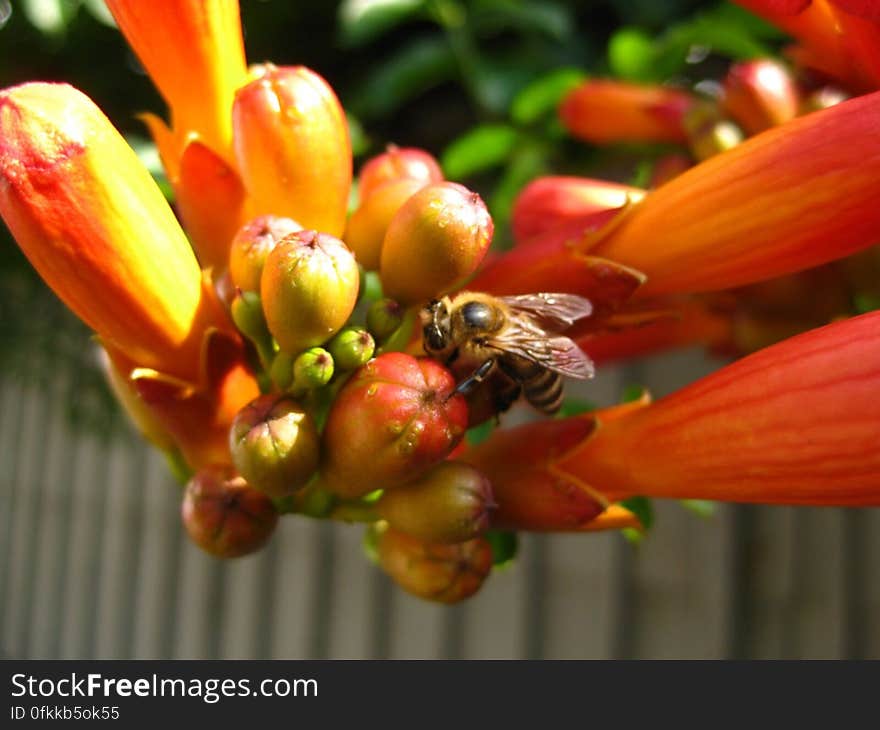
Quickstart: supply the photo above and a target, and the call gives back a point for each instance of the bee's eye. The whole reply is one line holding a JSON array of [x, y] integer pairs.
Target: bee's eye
[[434, 337], [477, 315]]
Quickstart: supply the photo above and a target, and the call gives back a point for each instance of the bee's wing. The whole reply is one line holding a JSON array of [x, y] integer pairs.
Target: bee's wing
[[559, 354], [558, 310]]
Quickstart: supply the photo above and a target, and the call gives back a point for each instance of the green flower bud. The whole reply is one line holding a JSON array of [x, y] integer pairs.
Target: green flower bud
[[247, 313], [252, 245], [281, 371], [309, 289], [274, 444], [351, 348], [312, 369], [225, 516], [449, 503], [384, 318]]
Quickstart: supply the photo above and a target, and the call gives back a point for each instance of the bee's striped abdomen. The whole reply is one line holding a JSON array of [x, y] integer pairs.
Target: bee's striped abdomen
[[544, 391]]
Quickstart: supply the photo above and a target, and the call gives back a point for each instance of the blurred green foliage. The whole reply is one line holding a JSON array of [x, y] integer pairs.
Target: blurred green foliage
[[476, 82]]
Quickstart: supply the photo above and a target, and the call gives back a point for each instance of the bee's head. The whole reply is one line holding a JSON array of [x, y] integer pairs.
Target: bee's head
[[435, 327]]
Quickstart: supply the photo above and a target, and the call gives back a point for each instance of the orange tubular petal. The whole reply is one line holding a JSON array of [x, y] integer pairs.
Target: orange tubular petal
[[796, 423], [614, 111], [615, 517], [529, 494], [198, 420], [194, 52], [211, 199], [97, 229], [549, 202], [292, 147], [832, 38], [553, 262], [788, 199], [695, 325]]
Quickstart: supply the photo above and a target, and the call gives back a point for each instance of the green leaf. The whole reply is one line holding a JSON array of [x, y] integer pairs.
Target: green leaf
[[631, 54], [575, 407], [632, 393], [360, 142], [541, 97], [504, 546], [362, 21], [478, 434], [479, 149], [701, 507], [546, 18], [98, 10], [642, 508], [50, 17], [370, 543], [864, 302], [411, 71]]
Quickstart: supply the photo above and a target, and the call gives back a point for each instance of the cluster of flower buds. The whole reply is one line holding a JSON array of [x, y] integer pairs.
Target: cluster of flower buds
[[272, 351], [350, 426]]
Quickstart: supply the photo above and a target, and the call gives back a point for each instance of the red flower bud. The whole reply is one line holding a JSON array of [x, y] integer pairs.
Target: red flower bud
[[224, 516], [397, 163], [366, 227], [436, 240], [397, 416], [434, 571], [549, 202], [760, 94]]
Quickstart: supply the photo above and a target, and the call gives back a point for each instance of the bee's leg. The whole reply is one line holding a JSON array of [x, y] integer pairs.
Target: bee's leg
[[475, 378]]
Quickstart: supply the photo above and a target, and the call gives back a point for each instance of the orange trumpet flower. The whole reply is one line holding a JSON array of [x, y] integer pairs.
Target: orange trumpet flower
[[194, 52], [292, 147], [788, 199], [796, 423], [98, 230], [94, 224], [838, 38], [603, 111]]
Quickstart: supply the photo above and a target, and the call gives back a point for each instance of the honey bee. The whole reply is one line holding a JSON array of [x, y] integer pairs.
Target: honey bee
[[513, 342]]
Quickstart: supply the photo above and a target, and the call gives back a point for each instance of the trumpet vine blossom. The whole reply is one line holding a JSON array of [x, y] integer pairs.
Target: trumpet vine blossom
[[287, 386]]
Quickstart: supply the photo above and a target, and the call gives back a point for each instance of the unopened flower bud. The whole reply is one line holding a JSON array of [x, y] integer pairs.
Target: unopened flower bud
[[397, 163], [366, 227], [309, 288], [252, 245], [435, 240], [224, 516], [450, 502], [292, 147], [760, 94], [281, 370], [384, 317], [247, 314], [549, 202], [395, 417], [709, 133], [312, 369], [434, 571], [351, 348], [824, 98], [274, 445]]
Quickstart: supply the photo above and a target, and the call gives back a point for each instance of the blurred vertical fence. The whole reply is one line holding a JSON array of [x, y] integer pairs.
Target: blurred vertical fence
[[94, 563]]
